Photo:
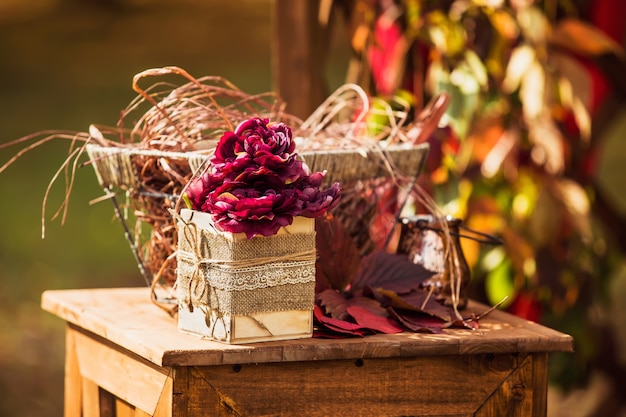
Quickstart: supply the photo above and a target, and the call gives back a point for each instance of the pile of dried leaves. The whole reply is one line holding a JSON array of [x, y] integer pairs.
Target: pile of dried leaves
[[362, 286]]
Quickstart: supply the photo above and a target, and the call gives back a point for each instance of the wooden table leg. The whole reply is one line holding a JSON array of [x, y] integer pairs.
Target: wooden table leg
[[103, 380], [73, 383], [523, 393]]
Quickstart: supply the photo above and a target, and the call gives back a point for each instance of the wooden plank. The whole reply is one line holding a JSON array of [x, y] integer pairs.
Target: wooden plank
[[107, 403], [73, 381], [540, 384], [298, 55], [126, 317], [517, 396], [123, 409], [180, 389], [119, 372], [425, 386], [90, 398], [164, 405]]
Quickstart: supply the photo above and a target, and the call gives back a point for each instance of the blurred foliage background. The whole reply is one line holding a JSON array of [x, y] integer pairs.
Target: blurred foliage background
[[530, 151]]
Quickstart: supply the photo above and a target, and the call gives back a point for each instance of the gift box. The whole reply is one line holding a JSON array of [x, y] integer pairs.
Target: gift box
[[238, 290]]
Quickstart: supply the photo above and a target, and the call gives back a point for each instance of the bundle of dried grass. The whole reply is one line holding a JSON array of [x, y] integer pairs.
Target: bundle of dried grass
[[154, 160]]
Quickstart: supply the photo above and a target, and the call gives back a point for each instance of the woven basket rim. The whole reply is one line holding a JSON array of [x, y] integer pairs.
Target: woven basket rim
[[112, 150]]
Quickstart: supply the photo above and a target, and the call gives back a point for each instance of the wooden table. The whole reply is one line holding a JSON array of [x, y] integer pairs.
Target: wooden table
[[125, 357]]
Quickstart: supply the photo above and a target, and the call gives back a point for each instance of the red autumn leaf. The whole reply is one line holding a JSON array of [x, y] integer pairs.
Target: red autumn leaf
[[418, 322], [337, 303], [334, 303], [421, 301], [337, 326], [338, 257], [382, 324], [390, 271]]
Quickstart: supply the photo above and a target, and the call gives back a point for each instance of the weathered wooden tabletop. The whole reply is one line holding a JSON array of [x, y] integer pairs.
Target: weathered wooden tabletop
[[127, 317]]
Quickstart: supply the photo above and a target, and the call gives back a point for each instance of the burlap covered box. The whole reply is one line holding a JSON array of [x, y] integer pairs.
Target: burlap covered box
[[238, 290]]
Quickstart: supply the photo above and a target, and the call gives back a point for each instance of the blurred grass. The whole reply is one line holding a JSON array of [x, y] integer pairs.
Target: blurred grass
[[64, 66]]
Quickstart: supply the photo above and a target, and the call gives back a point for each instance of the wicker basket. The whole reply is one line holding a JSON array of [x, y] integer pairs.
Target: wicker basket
[[117, 169], [114, 165]]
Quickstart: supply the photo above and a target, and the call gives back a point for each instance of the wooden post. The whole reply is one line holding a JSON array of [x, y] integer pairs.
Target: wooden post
[[299, 51]]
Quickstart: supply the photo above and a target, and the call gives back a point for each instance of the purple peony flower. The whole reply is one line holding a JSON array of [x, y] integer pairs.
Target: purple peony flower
[[256, 183]]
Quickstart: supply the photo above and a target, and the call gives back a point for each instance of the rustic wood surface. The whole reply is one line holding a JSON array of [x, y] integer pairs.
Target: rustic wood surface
[[126, 317], [125, 357], [419, 386]]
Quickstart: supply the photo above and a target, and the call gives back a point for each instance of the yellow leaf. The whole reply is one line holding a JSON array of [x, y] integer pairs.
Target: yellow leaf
[[489, 3], [522, 58], [464, 79], [534, 25], [526, 196], [545, 220], [575, 88], [490, 223], [495, 158], [532, 92], [547, 142], [583, 38], [447, 36], [504, 23], [576, 203], [359, 38], [583, 119], [477, 67]]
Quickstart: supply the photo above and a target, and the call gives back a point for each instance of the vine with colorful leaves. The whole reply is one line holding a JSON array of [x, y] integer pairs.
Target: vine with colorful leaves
[[528, 81]]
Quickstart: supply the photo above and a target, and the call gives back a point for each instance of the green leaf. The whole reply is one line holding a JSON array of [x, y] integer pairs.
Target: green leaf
[[499, 284]]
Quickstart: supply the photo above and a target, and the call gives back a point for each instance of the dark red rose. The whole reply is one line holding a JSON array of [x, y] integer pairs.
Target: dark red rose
[[257, 184]]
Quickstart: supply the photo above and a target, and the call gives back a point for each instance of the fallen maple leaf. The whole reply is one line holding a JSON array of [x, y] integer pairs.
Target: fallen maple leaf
[[336, 326], [337, 255], [336, 303], [372, 321], [385, 296], [420, 300], [390, 271], [418, 322]]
